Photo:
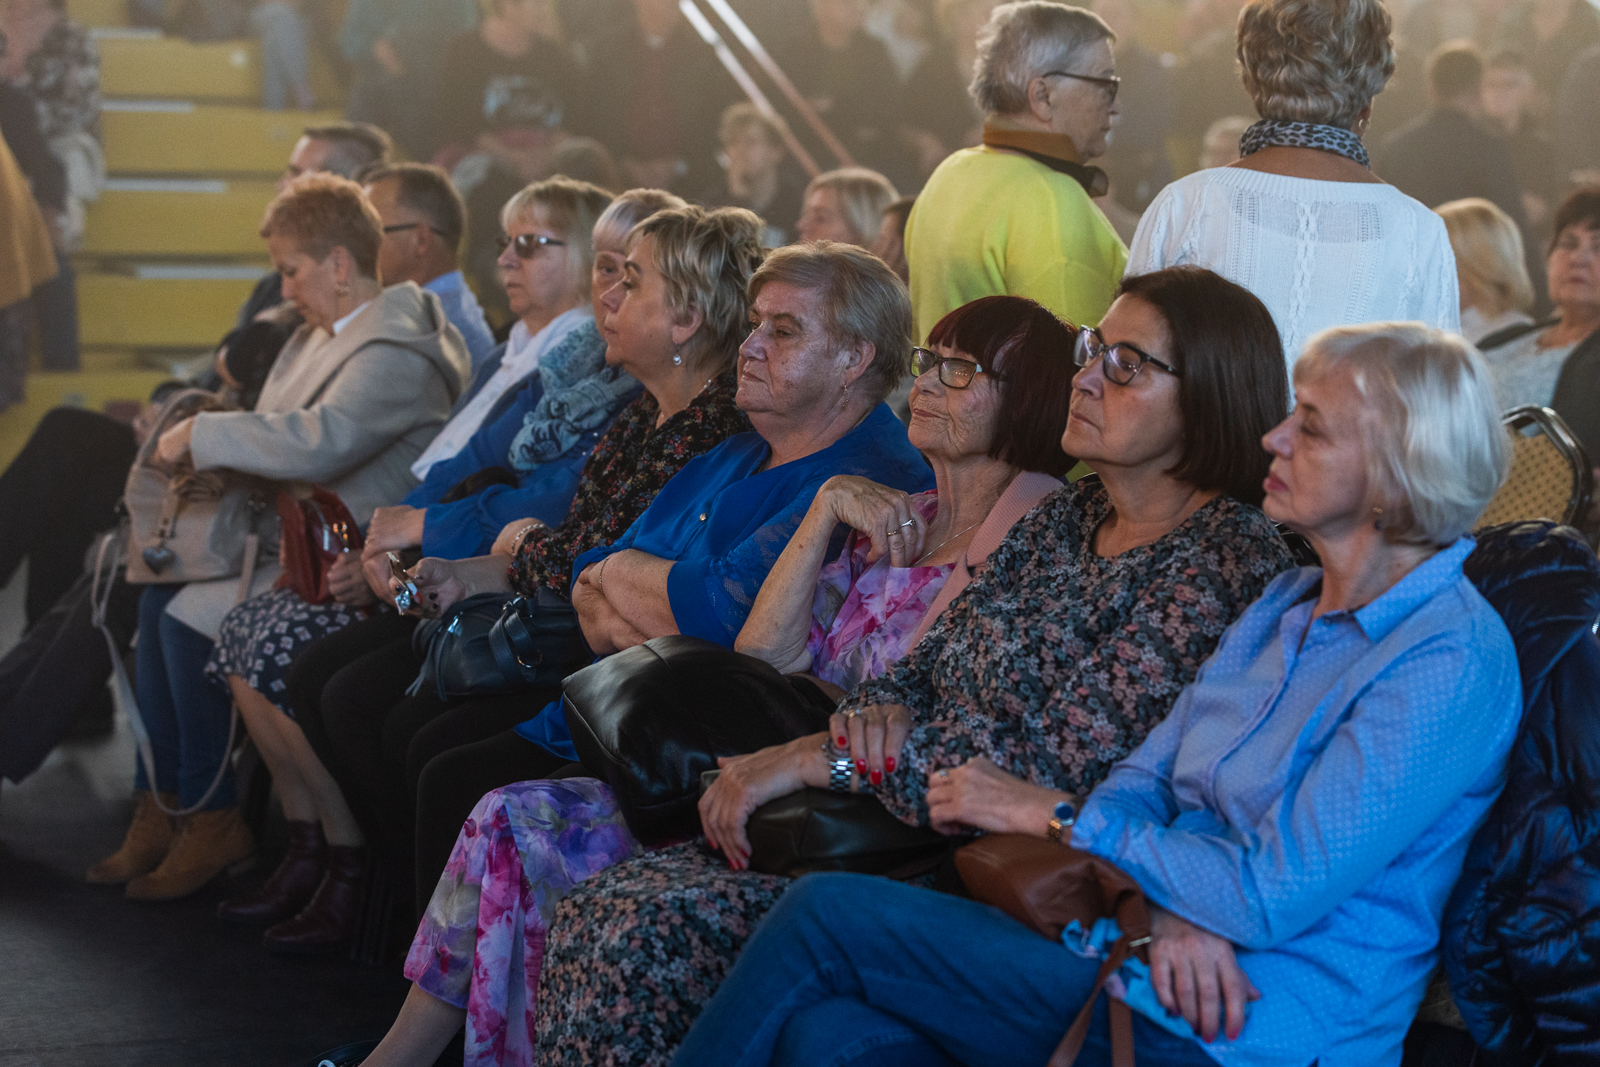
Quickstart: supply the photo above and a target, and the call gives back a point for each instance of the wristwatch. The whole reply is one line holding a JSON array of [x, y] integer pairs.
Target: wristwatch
[[838, 767], [1061, 819]]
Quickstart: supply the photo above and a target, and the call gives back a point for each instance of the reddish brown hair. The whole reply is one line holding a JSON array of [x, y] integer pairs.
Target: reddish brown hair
[[321, 212]]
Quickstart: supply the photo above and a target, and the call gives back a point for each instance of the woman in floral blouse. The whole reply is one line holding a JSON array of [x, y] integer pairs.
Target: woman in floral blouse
[[1093, 615]]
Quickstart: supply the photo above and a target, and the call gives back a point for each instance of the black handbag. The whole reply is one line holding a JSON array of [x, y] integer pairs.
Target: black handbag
[[820, 830], [490, 644], [649, 720]]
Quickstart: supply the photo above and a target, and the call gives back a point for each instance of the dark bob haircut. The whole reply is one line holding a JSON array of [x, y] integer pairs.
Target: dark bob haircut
[[1032, 349], [1581, 208], [1235, 384]]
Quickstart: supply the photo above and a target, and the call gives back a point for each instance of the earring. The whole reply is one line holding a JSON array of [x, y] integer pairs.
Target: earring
[[1377, 523], [677, 358]]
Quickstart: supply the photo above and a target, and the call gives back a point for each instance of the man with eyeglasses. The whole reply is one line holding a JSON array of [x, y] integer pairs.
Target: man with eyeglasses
[[423, 220], [1016, 215]]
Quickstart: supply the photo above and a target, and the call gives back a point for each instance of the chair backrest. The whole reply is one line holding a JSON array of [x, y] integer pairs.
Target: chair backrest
[[1550, 474]]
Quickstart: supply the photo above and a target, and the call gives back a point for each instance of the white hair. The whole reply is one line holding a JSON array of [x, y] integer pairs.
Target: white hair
[[1436, 450], [1024, 40]]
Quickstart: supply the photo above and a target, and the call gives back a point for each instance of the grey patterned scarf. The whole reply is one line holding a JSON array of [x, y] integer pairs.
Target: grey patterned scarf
[[581, 394], [1290, 134]]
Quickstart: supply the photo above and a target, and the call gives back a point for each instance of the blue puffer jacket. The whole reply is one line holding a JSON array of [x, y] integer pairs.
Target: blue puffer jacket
[[1522, 928]]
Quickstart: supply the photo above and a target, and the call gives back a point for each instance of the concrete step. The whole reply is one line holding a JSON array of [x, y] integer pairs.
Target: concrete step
[[178, 217], [143, 64], [182, 137], [158, 308], [98, 14]]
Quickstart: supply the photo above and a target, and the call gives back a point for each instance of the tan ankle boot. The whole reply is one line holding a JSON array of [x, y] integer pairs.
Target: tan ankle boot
[[146, 845], [207, 843]]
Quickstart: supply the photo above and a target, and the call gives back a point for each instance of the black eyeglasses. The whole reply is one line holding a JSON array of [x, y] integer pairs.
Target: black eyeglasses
[[953, 372], [398, 227], [1120, 362], [1110, 85], [528, 244]]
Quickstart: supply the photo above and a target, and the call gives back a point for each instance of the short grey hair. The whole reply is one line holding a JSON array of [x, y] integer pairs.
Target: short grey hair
[[1024, 40], [1436, 450], [633, 207], [864, 195], [1317, 61]]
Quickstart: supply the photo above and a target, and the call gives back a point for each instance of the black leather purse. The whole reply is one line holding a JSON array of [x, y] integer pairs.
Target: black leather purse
[[819, 830], [489, 644], [649, 720]]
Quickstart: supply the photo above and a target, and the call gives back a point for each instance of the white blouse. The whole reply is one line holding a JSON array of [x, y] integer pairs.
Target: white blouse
[[1317, 253]]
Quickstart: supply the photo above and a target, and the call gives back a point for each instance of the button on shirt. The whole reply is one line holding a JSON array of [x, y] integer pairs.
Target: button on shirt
[[1311, 798]]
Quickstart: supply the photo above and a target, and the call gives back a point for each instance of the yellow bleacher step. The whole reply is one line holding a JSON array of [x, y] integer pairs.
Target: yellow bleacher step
[[180, 137], [97, 14], [199, 217], [129, 311], [140, 64], [121, 392]]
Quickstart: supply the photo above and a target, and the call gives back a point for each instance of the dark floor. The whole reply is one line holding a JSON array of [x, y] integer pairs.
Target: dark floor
[[88, 978]]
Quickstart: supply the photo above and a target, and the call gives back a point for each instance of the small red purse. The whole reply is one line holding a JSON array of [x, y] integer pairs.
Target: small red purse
[[317, 529]]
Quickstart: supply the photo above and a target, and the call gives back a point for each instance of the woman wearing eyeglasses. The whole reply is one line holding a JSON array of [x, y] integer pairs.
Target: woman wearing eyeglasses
[[1091, 616]]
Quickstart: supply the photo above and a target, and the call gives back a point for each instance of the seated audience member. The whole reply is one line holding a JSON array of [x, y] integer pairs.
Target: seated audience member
[[1575, 125], [423, 223], [1220, 146], [939, 115], [1557, 31], [890, 244], [830, 331], [1495, 289], [675, 327], [1300, 220], [988, 414], [1017, 215], [846, 206], [1511, 109], [1295, 859], [1060, 658], [544, 438], [1557, 363], [756, 174], [1137, 160], [546, 254], [358, 391]]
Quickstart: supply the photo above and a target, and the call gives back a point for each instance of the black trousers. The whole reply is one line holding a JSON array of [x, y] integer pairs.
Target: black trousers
[[59, 492]]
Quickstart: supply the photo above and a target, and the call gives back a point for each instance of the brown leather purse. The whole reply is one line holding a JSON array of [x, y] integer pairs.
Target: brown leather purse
[[1046, 886]]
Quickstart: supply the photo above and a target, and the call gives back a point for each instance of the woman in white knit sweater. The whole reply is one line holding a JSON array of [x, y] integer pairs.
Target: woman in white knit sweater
[[1300, 220]]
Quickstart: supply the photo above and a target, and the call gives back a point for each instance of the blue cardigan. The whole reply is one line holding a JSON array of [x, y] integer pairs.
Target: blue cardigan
[[725, 521]]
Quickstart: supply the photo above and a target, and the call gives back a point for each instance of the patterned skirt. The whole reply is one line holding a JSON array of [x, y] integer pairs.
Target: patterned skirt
[[636, 952], [261, 638]]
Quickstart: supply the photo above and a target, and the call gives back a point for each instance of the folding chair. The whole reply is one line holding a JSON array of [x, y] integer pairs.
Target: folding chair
[[1550, 474]]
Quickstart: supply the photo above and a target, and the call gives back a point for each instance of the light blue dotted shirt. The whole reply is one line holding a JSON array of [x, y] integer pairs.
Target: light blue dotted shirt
[[1311, 798]]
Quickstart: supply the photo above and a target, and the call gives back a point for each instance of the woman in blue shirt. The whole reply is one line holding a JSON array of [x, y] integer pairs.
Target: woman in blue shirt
[[1297, 821]]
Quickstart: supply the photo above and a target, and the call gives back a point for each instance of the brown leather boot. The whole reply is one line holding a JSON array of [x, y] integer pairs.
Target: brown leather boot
[[146, 845], [207, 843], [291, 886], [328, 921]]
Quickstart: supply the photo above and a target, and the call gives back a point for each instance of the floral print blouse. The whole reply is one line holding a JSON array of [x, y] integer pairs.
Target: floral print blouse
[[1056, 662], [63, 75], [864, 616], [623, 475]]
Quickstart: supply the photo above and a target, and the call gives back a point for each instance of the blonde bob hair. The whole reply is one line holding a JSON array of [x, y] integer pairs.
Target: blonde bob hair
[[1489, 255], [320, 212], [571, 208], [1435, 449], [864, 195], [863, 301], [1317, 61], [706, 260]]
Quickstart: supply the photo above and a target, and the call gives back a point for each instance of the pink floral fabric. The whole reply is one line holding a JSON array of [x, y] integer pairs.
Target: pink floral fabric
[[865, 617], [480, 945]]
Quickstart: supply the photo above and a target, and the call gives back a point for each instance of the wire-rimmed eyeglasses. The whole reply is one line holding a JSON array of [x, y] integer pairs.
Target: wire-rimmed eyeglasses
[[1120, 363], [954, 372], [528, 244]]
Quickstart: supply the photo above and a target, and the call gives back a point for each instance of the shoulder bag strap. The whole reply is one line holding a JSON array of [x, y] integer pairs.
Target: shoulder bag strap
[[1512, 333], [1066, 1053]]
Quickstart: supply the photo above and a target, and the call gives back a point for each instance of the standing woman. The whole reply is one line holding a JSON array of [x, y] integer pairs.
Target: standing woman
[[53, 58], [357, 392], [1299, 219]]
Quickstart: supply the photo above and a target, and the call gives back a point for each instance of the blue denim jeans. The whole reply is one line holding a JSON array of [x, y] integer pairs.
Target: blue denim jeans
[[285, 55], [849, 969], [186, 713]]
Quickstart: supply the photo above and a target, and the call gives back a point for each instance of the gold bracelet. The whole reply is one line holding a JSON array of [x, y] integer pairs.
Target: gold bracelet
[[599, 572], [520, 541]]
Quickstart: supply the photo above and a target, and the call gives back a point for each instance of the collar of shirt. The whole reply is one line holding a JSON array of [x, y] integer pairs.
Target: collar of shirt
[[453, 282], [342, 323], [1379, 618]]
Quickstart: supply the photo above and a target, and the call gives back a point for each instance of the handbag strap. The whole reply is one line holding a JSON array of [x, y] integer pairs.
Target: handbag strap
[[100, 597], [1066, 1053]]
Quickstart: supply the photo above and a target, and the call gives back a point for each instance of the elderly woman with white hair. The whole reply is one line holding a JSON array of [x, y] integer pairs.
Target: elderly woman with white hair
[[1296, 822], [1016, 215], [1299, 219]]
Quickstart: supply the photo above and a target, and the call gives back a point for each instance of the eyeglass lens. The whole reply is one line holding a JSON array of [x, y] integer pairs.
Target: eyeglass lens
[[527, 245]]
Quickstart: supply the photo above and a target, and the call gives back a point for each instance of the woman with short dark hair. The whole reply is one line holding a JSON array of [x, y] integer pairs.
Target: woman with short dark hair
[[1058, 660]]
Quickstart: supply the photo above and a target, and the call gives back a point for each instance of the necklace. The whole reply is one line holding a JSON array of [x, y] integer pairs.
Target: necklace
[[946, 541]]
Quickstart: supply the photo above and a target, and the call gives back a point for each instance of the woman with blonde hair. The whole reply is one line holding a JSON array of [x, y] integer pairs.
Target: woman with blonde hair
[[846, 206], [1299, 219], [1496, 291]]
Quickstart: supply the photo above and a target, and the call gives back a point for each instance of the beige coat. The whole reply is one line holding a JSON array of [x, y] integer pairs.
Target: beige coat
[[350, 413]]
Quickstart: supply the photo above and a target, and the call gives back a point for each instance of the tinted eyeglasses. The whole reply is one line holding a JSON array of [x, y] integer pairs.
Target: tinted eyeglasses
[[1120, 362], [954, 373], [1110, 85], [528, 244]]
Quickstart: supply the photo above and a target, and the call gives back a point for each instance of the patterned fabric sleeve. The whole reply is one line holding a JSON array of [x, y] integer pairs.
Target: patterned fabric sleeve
[[64, 77]]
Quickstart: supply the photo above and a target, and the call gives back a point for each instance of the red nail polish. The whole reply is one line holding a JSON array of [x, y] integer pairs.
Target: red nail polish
[[877, 777], [888, 764], [861, 766], [844, 742]]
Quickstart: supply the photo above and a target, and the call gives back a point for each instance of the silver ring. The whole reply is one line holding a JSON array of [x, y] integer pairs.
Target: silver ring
[[908, 522], [402, 601], [851, 714], [944, 776]]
